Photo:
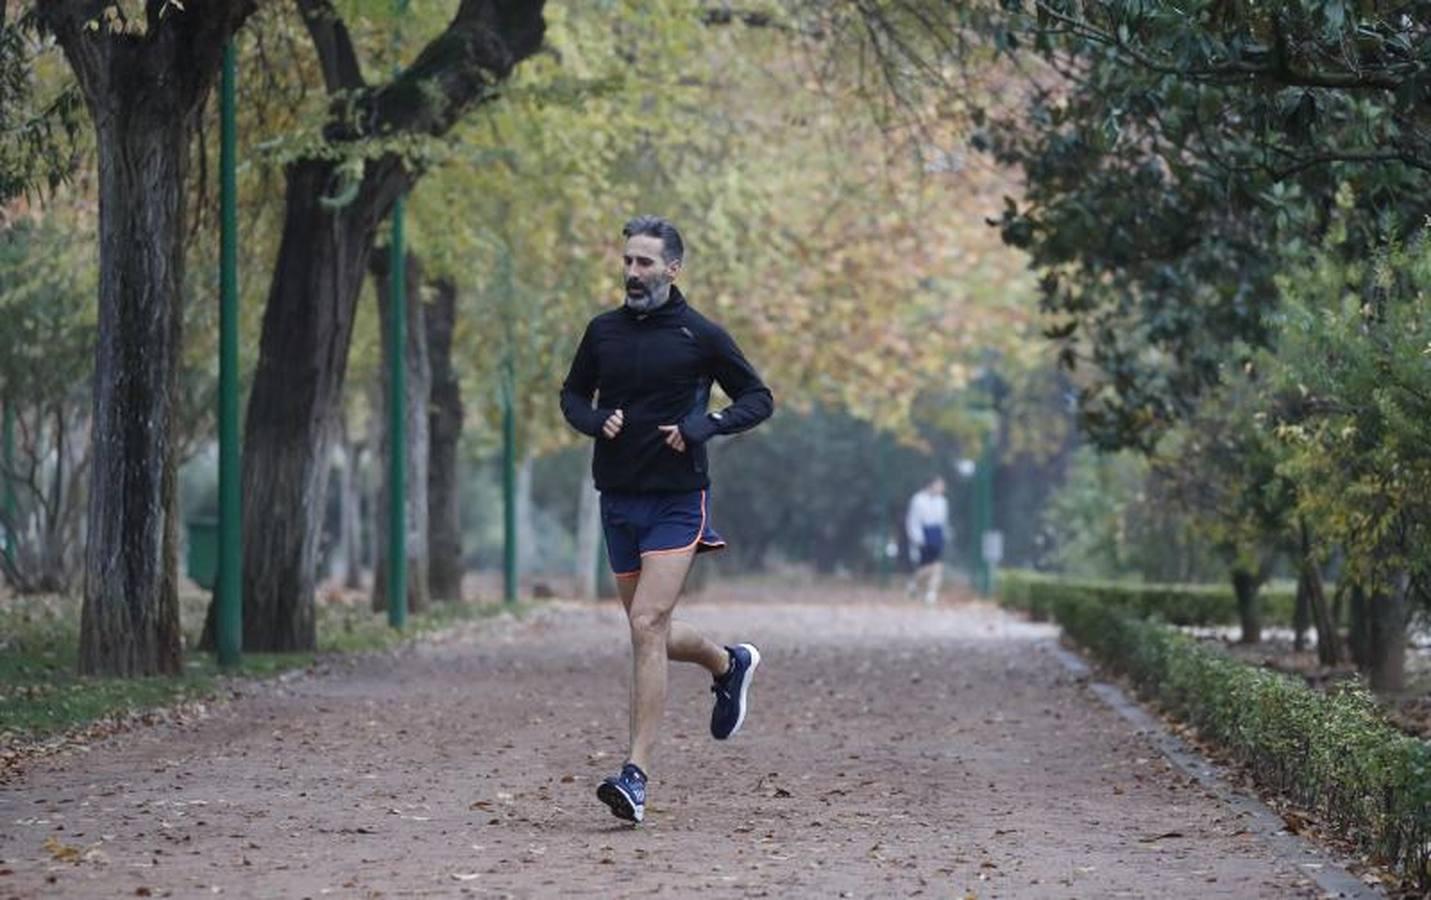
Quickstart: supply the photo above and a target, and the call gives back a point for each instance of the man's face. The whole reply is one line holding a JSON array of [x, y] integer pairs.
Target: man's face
[[648, 275], [937, 485]]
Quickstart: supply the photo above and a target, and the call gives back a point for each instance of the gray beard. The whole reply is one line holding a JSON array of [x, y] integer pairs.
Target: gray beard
[[653, 300]]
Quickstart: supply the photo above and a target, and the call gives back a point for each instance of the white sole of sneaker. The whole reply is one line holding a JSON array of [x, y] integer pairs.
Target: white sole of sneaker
[[745, 687], [620, 802]]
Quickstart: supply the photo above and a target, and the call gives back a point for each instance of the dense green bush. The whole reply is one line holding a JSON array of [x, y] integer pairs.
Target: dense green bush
[[1334, 753], [1177, 604]]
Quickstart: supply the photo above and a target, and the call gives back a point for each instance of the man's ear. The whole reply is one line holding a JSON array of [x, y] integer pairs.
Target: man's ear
[[673, 268]]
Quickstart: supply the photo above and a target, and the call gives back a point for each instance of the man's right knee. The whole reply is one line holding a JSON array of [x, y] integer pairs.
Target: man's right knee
[[650, 625]]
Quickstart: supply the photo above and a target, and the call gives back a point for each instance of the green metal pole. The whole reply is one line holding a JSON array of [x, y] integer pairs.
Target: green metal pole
[[397, 408], [397, 427], [9, 500], [985, 505], [228, 621], [509, 485]]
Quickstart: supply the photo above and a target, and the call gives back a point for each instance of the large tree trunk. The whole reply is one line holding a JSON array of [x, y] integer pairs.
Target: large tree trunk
[[322, 259], [417, 388], [303, 358], [1249, 610], [1386, 639], [143, 108], [444, 431]]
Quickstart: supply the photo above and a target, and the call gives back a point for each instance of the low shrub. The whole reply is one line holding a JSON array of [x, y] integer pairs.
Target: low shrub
[[1177, 604], [1334, 752]]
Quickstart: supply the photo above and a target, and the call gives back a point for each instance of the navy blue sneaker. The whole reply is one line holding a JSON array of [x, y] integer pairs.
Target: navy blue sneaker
[[730, 690], [625, 793]]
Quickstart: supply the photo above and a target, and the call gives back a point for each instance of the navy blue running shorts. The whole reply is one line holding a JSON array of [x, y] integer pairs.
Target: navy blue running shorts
[[640, 525], [933, 546]]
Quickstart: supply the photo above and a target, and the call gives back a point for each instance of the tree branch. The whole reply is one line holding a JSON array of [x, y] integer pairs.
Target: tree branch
[[331, 40], [458, 69], [1273, 72]]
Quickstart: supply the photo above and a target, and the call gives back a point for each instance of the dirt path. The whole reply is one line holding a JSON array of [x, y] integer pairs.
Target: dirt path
[[890, 751]]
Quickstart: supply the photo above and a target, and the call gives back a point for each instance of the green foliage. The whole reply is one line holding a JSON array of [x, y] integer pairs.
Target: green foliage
[[824, 488], [1171, 154], [1178, 604], [1354, 358], [1113, 516], [1334, 753], [41, 114]]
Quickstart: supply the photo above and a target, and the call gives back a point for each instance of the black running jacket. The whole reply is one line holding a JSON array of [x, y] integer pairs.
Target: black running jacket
[[657, 368]]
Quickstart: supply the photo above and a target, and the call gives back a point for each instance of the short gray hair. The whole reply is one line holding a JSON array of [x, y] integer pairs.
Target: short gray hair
[[672, 247]]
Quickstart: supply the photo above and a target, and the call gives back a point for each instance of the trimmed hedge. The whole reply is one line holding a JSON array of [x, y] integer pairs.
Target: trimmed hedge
[[1332, 752], [1177, 604]]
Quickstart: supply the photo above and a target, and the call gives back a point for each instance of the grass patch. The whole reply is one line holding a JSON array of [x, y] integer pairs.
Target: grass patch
[[42, 694]]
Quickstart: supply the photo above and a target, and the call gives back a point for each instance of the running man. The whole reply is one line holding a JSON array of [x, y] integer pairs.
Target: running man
[[927, 525], [640, 385]]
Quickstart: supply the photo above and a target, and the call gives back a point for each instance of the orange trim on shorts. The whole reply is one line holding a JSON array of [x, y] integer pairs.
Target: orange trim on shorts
[[692, 545], [635, 574]]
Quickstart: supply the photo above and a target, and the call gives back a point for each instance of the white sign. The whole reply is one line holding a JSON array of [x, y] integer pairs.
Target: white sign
[[993, 547]]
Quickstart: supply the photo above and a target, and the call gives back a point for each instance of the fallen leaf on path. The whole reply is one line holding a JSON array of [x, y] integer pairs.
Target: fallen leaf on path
[[61, 851], [1159, 837], [466, 876]]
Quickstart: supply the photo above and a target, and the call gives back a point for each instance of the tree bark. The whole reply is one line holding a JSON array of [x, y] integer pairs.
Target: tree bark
[[1386, 639], [444, 520], [526, 524], [1359, 627], [322, 259], [417, 389], [1309, 584], [143, 92], [303, 357], [1249, 610]]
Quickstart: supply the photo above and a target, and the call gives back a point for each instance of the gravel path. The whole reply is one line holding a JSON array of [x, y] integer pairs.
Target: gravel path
[[890, 750]]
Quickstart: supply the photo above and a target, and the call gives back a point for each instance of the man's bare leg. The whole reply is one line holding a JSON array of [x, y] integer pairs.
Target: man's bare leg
[[936, 576], [651, 630], [684, 643]]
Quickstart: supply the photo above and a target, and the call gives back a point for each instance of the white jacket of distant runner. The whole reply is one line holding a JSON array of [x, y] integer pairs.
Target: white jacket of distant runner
[[926, 510]]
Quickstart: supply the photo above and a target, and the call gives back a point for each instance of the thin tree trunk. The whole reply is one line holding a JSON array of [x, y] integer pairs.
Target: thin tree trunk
[[1301, 615], [588, 531], [350, 571], [1329, 645], [445, 430], [526, 525], [1359, 627], [417, 390], [372, 482], [1249, 610]]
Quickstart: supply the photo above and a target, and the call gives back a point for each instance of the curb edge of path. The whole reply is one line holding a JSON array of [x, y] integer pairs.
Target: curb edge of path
[[1328, 874]]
